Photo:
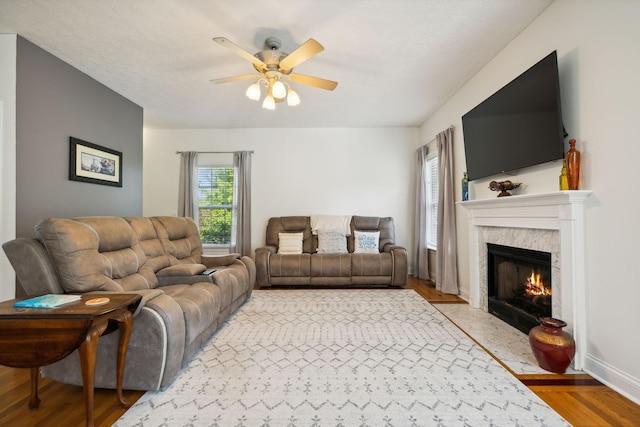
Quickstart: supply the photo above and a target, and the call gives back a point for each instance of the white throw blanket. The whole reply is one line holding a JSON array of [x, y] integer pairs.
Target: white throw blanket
[[331, 222]]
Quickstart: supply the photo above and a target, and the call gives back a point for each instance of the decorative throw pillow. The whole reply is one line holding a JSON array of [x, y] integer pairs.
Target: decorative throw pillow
[[290, 243], [332, 242], [366, 242]]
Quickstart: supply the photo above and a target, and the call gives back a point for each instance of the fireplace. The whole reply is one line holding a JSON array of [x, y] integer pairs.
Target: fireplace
[[519, 285], [552, 222]]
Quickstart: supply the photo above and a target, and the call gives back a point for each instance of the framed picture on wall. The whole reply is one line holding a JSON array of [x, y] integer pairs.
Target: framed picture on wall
[[94, 164]]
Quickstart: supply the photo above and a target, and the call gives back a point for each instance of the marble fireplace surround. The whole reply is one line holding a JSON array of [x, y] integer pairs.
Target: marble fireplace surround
[[549, 222]]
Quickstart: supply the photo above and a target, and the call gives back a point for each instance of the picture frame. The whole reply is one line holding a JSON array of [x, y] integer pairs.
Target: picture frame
[[94, 164]]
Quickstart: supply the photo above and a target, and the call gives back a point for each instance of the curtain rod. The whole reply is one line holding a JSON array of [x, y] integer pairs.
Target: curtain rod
[[213, 152], [434, 139]]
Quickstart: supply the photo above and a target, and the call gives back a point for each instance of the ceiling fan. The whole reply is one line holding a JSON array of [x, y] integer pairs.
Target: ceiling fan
[[274, 69]]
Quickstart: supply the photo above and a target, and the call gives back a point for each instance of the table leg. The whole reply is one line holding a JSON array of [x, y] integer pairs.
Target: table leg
[[125, 324], [88, 350], [34, 402]]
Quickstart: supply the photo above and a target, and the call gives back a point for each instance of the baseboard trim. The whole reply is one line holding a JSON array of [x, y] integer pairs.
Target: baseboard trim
[[613, 378]]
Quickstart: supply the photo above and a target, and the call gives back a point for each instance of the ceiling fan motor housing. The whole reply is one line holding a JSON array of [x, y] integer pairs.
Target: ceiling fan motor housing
[[272, 56]]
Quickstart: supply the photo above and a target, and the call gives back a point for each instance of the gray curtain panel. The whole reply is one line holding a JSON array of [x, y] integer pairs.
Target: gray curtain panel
[[446, 258], [187, 193], [420, 250], [242, 163]]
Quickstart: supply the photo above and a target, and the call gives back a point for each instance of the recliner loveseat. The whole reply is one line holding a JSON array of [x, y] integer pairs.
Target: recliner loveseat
[[159, 258], [386, 264]]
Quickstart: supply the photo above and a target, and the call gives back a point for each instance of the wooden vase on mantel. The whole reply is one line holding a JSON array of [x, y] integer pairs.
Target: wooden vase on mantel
[[553, 348], [573, 165]]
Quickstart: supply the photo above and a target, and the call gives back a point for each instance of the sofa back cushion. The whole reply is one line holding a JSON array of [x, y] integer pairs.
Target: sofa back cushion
[[290, 224], [372, 223], [180, 239], [150, 242], [96, 254]]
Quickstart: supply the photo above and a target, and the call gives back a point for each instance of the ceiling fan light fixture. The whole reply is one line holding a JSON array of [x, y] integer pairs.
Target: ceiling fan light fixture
[[275, 69], [253, 91], [292, 98], [278, 90], [269, 103]]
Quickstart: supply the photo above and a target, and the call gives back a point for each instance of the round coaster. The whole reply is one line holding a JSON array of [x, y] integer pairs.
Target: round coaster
[[97, 301]]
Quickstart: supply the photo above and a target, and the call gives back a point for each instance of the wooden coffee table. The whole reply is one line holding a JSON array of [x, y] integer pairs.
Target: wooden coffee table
[[35, 337]]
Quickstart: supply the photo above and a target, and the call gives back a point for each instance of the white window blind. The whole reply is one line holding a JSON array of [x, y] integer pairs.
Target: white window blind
[[216, 185], [431, 180]]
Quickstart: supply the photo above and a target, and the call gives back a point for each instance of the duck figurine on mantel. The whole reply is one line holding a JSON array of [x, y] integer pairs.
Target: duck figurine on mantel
[[503, 187]]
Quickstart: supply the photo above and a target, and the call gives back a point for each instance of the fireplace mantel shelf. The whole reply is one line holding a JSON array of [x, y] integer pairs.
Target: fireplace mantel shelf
[[560, 211], [554, 198], [541, 211]]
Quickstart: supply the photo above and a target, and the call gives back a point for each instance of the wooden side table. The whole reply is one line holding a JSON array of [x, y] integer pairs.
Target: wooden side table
[[34, 337]]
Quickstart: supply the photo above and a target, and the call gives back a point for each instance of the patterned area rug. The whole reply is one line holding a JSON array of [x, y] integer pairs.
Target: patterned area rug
[[341, 358]]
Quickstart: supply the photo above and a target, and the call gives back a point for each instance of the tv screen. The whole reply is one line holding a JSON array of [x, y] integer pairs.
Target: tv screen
[[518, 126]]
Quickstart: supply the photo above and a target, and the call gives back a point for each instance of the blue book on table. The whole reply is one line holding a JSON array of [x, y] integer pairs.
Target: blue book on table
[[47, 301]]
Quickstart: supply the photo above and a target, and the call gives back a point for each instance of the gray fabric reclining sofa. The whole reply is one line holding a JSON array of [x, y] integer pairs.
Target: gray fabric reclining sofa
[[387, 266], [159, 258]]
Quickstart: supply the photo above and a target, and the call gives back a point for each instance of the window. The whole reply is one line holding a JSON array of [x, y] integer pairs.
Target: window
[[216, 188], [431, 180]]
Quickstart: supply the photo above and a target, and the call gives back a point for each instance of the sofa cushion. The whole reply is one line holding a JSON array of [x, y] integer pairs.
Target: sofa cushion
[[149, 242], [290, 243], [331, 265], [366, 242], [290, 224], [380, 264], [290, 265], [200, 304], [332, 242], [96, 254], [180, 238]]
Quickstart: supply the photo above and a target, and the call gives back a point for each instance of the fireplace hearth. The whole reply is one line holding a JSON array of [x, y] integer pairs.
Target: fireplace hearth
[[519, 285]]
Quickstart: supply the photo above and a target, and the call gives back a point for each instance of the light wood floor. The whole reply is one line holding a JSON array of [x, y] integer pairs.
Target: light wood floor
[[580, 399]]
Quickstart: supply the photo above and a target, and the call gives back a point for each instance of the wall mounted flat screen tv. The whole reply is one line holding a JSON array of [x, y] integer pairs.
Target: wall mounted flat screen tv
[[518, 126]]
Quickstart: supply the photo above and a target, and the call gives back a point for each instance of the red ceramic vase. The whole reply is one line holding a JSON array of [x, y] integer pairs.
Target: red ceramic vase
[[573, 165], [553, 348]]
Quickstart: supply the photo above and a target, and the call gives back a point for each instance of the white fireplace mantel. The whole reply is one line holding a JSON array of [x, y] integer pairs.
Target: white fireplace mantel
[[561, 211]]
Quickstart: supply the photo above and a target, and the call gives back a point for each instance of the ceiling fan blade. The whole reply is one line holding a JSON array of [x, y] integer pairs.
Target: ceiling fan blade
[[305, 51], [236, 78], [313, 81], [222, 41]]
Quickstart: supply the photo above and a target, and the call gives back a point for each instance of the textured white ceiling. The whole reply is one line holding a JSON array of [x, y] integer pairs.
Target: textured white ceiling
[[396, 61]]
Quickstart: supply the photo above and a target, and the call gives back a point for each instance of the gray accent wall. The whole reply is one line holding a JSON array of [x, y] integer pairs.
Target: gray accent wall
[[55, 101]]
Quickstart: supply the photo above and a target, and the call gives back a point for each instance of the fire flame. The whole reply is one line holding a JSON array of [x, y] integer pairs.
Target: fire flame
[[535, 286]]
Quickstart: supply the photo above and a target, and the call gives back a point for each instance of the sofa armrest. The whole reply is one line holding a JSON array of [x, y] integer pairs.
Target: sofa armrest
[[400, 266], [184, 280], [391, 247], [181, 270], [32, 264], [262, 265], [182, 274], [219, 260], [147, 295]]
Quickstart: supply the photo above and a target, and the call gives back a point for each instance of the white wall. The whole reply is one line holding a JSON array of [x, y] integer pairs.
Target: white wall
[[8, 52], [354, 171], [599, 64]]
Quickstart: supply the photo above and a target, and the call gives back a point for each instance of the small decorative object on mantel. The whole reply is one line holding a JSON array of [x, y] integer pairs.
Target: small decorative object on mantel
[[553, 348], [503, 187], [564, 178], [465, 187], [573, 165]]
